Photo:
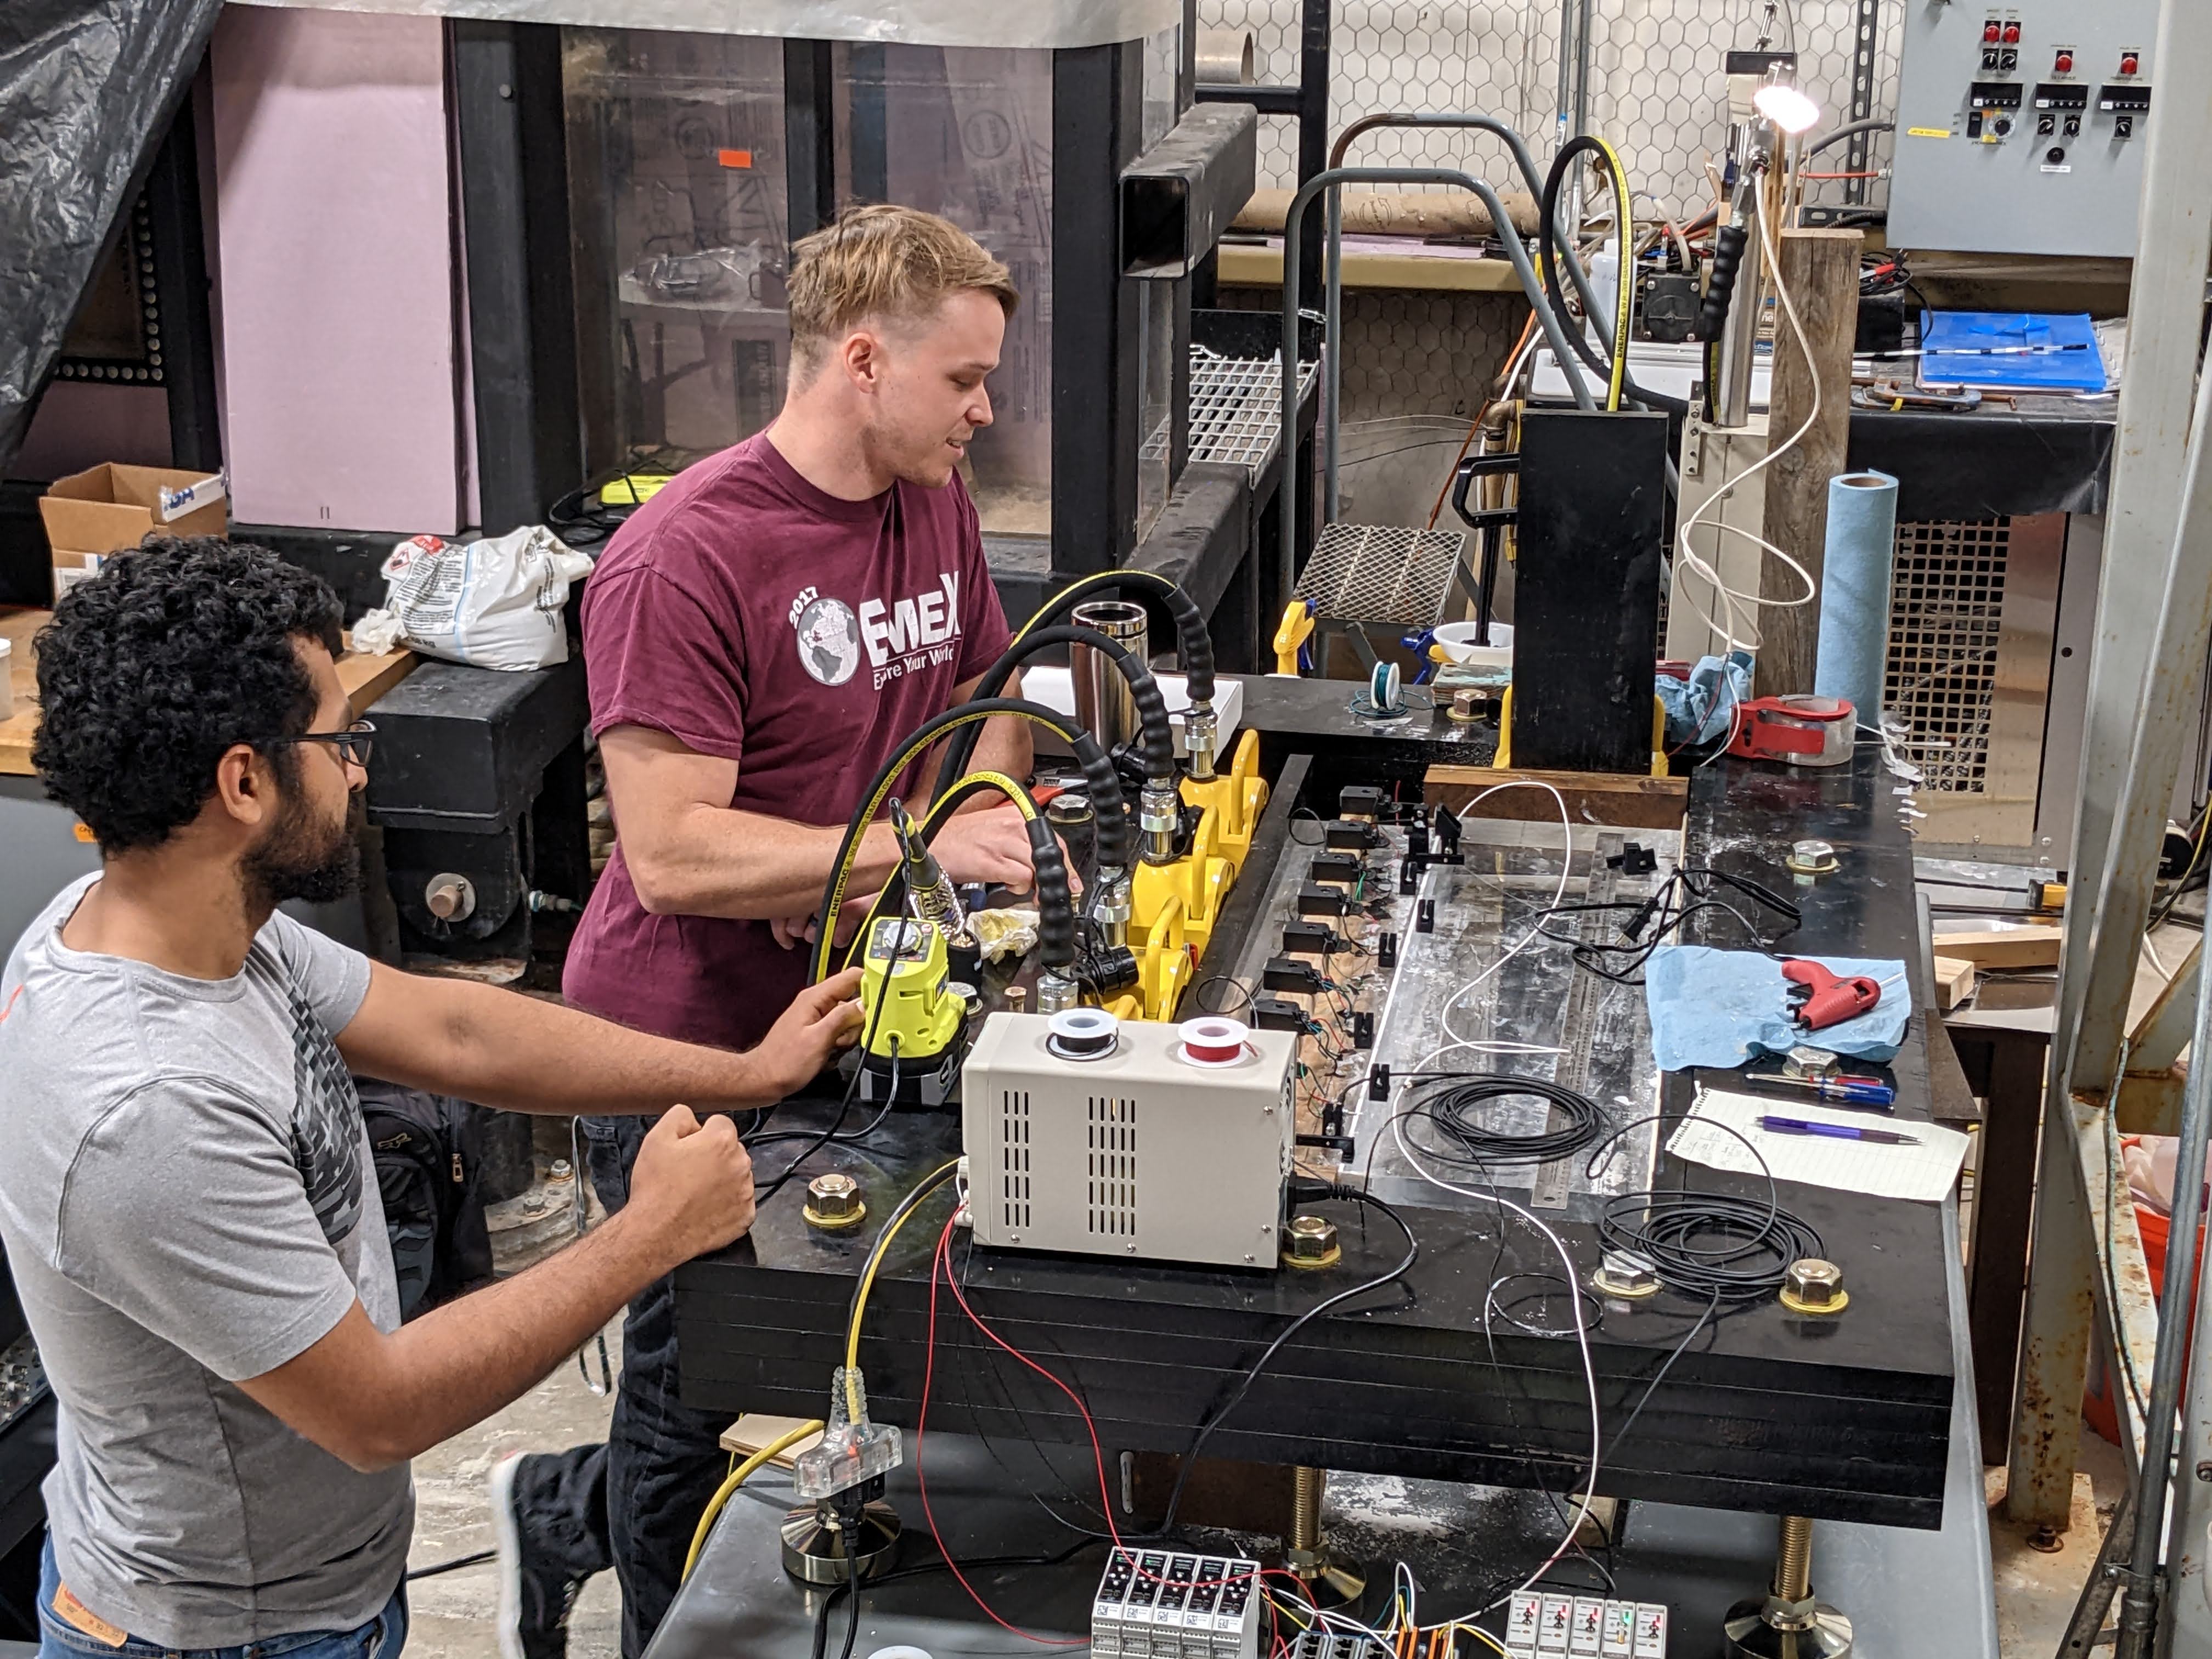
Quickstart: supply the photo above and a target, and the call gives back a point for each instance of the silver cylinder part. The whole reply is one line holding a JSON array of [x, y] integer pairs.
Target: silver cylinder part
[[1225, 57], [1201, 734], [1056, 993], [1111, 907], [1103, 706]]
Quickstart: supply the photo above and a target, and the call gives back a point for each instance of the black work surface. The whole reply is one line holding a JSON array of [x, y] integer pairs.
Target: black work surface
[[1846, 1418], [2044, 455]]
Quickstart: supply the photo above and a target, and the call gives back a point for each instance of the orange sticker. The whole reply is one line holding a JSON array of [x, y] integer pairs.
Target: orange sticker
[[74, 1613], [84, 832], [734, 158]]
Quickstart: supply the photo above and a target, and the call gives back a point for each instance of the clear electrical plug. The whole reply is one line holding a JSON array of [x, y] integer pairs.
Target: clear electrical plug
[[851, 1449]]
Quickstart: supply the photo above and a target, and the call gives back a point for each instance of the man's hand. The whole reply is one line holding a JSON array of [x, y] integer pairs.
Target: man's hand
[[821, 1020], [691, 1189], [990, 847]]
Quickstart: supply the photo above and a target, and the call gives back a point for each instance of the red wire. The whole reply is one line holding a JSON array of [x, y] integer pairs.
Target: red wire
[[922, 1478], [1097, 1453]]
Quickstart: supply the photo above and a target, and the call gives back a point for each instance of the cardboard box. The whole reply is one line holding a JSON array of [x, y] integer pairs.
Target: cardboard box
[[112, 507]]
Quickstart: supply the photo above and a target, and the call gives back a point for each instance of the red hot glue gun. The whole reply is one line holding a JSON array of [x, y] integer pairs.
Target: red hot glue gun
[[1823, 999]]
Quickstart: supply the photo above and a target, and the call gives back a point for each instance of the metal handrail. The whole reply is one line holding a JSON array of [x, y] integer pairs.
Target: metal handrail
[[1288, 560]]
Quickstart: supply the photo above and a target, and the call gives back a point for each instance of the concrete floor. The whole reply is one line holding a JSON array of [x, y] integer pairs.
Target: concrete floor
[[455, 1615]]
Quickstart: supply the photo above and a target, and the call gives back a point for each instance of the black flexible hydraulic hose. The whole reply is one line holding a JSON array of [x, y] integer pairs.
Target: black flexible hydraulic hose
[[1158, 754], [1730, 242], [1547, 249], [1114, 834]]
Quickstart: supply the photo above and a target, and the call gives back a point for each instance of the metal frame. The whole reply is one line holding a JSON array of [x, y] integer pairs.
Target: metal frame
[[180, 295], [515, 249], [1307, 100]]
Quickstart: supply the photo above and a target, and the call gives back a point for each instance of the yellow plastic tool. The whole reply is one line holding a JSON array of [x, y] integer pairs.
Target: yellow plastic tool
[[1164, 965], [1502, 760], [1297, 627], [909, 1012]]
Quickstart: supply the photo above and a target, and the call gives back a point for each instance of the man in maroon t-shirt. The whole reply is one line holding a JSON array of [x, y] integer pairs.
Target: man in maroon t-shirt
[[760, 636]]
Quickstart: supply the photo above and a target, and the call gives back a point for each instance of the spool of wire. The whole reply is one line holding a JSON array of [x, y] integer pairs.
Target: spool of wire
[[1082, 1034], [1712, 1245], [1458, 1109]]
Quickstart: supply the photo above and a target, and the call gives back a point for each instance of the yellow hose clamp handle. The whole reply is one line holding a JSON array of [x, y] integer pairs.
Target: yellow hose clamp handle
[[1296, 627]]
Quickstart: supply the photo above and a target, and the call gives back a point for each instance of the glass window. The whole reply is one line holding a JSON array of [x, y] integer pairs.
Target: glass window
[[679, 203]]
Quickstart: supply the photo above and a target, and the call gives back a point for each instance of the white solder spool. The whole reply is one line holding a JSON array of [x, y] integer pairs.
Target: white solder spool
[[1213, 1041]]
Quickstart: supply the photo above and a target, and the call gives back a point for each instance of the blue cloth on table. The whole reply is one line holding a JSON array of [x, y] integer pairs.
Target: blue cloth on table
[[1701, 708], [1719, 1008]]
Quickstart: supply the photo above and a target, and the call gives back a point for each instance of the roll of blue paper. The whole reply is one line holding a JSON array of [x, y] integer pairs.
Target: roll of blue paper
[[1861, 540]]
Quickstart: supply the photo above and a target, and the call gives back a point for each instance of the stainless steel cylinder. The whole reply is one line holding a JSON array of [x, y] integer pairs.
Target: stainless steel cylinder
[[1225, 57], [1102, 703]]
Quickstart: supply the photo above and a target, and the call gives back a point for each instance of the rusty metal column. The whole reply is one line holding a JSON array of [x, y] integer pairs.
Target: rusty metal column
[[2130, 752]]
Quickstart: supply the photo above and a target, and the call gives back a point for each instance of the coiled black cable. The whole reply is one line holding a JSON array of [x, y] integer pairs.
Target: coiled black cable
[[1456, 1105], [1711, 1245]]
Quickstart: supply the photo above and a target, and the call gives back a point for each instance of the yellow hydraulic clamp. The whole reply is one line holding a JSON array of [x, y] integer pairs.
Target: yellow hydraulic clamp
[[1296, 628], [1234, 800], [1199, 879]]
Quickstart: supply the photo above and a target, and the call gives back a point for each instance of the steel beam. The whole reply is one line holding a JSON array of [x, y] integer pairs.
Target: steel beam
[[2124, 783]]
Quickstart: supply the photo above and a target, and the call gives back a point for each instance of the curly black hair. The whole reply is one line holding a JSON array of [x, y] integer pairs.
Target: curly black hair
[[151, 669]]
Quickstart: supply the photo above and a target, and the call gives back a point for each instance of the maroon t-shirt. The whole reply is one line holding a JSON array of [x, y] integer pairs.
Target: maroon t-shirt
[[752, 617]]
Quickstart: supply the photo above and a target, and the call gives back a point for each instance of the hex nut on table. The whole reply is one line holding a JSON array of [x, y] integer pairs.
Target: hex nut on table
[[1311, 1242], [833, 1203], [1814, 1287]]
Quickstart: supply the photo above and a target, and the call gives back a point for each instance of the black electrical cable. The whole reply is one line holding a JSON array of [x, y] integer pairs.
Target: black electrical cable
[[1311, 1194], [1713, 1311], [1548, 263], [1734, 1250], [1687, 892], [1457, 1105], [454, 1566], [860, 1065], [922, 1570]]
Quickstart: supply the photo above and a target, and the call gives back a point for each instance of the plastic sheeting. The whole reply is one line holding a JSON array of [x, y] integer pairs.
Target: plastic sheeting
[[87, 88], [1039, 23]]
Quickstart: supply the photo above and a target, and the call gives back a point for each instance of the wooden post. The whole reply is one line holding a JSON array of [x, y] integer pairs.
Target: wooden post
[[1820, 270]]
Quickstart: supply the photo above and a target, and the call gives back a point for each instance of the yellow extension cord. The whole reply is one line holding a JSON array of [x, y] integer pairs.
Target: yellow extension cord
[[738, 1478]]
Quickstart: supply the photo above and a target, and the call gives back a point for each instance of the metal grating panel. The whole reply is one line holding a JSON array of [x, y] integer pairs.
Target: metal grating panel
[[1381, 573], [1947, 605], [1235, 408], [1014, 1170], [1112, 1167]]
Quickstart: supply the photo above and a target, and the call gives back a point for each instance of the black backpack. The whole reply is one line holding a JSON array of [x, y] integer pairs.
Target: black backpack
[[427, 1169]]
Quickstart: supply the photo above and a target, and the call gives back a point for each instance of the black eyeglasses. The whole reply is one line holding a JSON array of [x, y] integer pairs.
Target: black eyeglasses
[[354, 743]]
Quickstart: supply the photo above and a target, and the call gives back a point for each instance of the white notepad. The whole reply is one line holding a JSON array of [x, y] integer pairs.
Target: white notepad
[[1922, 1173]]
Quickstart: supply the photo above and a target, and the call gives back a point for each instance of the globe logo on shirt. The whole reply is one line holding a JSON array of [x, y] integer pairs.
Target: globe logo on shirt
[[829, 641]]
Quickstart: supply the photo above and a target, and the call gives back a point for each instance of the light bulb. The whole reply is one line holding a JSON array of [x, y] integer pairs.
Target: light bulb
[[1787, 107]]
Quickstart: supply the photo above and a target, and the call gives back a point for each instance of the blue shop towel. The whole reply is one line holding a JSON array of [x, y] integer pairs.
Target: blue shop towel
[[1719, 1008]]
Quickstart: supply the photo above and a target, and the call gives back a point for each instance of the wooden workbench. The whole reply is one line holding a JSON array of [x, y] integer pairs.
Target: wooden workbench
[[365, 678]]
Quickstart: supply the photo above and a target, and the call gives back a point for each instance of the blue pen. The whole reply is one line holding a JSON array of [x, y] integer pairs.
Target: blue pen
[[1798, 1126]]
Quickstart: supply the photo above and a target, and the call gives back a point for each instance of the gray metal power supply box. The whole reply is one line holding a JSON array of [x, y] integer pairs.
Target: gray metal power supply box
[[1139, 1152]]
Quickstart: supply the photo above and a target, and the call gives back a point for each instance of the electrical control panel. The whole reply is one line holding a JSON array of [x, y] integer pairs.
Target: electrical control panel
[[1140, 1148], [1538, 1624], [2021, 127], [1170, 1604]]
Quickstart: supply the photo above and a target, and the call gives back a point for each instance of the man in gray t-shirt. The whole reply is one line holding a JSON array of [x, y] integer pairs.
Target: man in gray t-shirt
[[187, 1199]]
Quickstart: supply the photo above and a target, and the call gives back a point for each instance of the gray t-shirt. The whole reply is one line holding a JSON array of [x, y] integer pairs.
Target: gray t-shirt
[[187, 1198]]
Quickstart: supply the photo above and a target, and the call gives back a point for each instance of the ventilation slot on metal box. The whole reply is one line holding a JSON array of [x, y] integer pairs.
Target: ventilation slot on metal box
[[1014, 1157], [1112, 1192], [1947, 605]]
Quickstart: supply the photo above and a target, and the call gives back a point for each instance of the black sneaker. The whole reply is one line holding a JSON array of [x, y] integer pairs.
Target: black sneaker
[[534, 1598]]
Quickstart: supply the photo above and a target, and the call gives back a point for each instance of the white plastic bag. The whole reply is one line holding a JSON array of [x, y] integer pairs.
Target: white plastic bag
[[490, 604]]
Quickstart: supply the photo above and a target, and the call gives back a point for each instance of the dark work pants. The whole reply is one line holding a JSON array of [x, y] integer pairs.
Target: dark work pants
[[632, 1503]]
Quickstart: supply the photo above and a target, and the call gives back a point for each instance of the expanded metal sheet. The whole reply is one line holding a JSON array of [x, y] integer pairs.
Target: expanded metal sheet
[[1235, 408], [1381, 573], [1946, 609]]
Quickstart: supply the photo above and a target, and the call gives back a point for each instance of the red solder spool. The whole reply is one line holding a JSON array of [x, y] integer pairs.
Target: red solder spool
[[1213, 1041]]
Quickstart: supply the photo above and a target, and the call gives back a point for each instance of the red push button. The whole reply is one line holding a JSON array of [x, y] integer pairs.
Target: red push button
[[2012, 34], [2128, 64], [1990, 30], [2063, 64]]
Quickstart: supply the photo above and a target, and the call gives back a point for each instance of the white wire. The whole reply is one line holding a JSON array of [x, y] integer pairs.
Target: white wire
[[1566, 870], [1688, 559], [1581, 1341]]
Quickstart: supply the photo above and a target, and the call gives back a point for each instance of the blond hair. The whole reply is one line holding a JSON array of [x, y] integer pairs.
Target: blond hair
[[884, 261]]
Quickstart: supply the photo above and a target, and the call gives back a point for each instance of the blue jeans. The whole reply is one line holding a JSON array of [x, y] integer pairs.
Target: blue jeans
[[632, 1502], [381, 1637]]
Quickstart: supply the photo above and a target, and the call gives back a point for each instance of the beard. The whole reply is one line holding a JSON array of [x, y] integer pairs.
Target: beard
[[316, 862]]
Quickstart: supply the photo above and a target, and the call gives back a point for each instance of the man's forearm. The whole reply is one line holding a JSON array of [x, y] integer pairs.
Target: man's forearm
[[459, 1363], [517, 1053], [749, 866]]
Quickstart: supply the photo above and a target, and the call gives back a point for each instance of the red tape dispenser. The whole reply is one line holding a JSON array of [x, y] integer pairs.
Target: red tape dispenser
[[1798, 731], [1823, 999]]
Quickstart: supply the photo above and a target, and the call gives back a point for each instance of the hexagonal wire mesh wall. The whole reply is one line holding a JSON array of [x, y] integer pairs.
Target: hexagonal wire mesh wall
[[1413, 362], [1656, 79]]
